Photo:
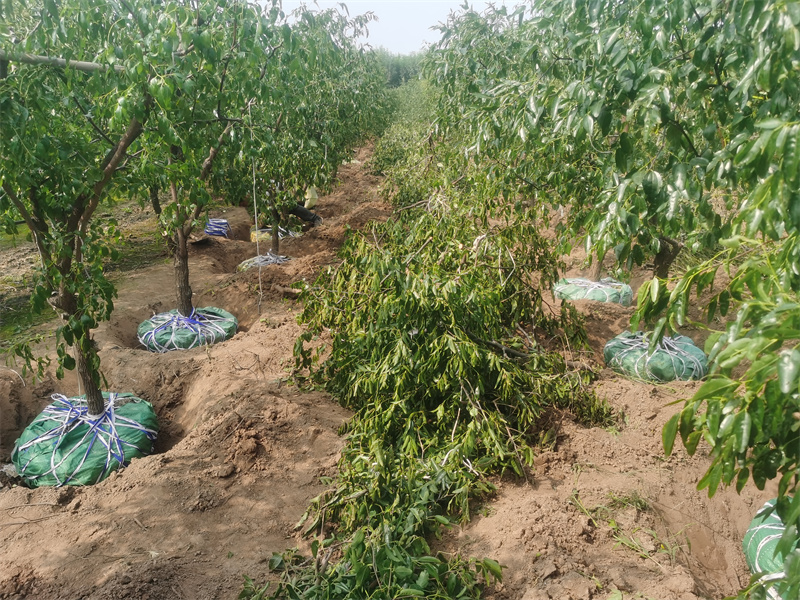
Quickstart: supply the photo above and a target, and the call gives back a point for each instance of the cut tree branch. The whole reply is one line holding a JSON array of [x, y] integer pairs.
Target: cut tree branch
[[52, 61]]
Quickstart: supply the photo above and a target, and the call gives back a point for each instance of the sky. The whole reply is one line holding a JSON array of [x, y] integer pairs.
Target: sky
[[403, 25]]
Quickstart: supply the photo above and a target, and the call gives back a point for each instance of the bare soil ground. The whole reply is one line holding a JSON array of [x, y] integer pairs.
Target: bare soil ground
[[241, 452]]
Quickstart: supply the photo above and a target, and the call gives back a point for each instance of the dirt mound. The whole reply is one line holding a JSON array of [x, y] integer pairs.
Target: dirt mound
[[241, 451]]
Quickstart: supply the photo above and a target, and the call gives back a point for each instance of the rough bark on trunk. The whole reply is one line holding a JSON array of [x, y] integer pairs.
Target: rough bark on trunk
[[182, 273], [666, 255], [85, 353]]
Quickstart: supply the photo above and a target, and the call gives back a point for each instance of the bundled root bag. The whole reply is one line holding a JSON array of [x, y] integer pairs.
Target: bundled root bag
[[674, 358], [262, 260], [65, 446], [605, 290], [760, 542], [265, 234], [172, 331], [218, 227]]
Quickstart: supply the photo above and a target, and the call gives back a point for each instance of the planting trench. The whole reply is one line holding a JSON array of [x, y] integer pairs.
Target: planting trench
[[241, 451]]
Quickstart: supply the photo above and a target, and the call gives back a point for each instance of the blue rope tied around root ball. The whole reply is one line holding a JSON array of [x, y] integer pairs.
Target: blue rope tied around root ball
[[172, 331], [65, 436], [218, 227]]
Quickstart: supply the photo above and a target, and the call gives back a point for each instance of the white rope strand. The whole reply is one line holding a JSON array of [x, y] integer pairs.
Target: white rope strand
[[255, 211], [263, 260]]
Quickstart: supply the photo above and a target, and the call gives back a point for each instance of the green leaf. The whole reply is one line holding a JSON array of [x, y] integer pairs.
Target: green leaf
[[788, 540], [711, 479], [588, 125], [692, 440], [742, 431], [422, 580], [68, 362], [788, 367], [669, 432], [403, 572], [494, 568], [741, 479], [769, 124], [655, 287], [410, 593], [716, 387], [52, 8]]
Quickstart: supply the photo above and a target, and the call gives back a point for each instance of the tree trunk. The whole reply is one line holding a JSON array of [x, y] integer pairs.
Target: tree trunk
[[85, 358], [597, 268], [85, 351], [276, 229], [182, 273], [154, 199], [666, 255]]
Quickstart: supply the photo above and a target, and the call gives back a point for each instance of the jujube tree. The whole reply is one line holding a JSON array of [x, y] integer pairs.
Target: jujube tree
[[65, 142], [660, 125]]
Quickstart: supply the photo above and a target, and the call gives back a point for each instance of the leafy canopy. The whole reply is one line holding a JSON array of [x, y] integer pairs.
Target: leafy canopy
[[659, 125]]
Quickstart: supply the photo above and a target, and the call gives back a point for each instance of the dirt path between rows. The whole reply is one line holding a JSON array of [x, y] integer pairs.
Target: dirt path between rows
[[241, 452]]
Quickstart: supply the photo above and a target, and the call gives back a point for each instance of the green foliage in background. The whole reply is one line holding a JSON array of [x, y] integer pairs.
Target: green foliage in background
[[400, 68], [320, 95], [403, 141]]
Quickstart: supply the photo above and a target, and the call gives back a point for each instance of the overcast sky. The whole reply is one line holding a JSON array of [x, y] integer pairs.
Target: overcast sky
[[403, 25]]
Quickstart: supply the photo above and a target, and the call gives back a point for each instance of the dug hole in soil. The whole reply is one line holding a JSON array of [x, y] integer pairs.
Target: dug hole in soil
[[240, 454]]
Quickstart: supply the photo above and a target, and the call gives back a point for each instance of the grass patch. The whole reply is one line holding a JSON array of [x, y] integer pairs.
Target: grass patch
[[8, 242]]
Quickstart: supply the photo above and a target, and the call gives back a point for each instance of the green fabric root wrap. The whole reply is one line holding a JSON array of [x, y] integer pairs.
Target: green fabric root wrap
[[674, 358], [760, 542], [605, 290], [64, 445], [172, 331]]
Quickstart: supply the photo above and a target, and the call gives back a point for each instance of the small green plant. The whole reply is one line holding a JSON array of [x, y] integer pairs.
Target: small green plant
[[604, 515], [250, 591], [632, 499]]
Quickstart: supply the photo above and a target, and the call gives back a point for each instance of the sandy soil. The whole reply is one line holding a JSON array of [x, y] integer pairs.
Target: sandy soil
[[241, 452]]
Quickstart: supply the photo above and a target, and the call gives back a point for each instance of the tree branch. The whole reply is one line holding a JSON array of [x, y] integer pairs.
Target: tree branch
[[269, 57], [205, 170], [111, 163], [30, 221], [78, 65], [498, 346], [685, 135], [99, 131]]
